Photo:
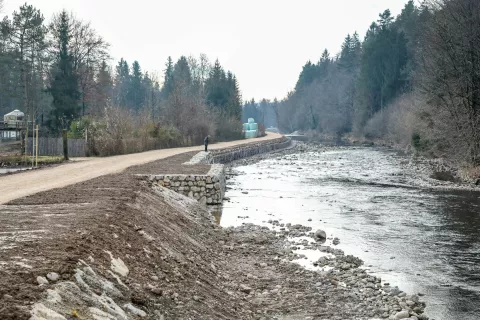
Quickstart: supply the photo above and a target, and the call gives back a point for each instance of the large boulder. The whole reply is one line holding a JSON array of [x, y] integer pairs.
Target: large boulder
[[402, 315], [320, 235]]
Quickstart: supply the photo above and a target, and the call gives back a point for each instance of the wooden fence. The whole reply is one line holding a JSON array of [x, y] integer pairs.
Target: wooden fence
[[54, 147]]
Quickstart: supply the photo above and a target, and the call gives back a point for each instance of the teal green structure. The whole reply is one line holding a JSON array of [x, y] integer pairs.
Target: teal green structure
[[250, 129]]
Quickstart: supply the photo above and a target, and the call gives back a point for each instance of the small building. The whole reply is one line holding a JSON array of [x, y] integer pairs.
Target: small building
[[14, 117], [12, 124]]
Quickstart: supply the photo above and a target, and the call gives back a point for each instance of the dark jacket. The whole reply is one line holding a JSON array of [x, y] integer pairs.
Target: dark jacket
[[205, 141]]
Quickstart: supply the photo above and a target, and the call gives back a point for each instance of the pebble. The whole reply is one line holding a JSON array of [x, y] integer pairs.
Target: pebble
[[157, 291]]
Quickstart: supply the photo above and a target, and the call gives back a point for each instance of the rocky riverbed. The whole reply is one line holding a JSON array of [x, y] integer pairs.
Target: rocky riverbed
[[414, 230], [337, 289]]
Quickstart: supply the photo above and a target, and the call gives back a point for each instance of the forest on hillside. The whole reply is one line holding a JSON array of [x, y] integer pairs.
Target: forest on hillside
[[413, 80], [59, 74]]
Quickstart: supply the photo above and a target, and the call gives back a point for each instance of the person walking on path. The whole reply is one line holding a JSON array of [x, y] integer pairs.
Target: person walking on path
[[205, 141]]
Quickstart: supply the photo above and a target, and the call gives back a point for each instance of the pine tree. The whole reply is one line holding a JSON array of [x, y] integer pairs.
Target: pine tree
[[383, 61], [168, 78], [234, 105], [324, 64], [136, 95], [217, 96], [350, 54], [104, 87], [64, 84], [307, 76], [122, 83], [27, 33], [181, 71]]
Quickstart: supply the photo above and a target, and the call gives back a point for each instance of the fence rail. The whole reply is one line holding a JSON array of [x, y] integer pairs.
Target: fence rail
[[54, 147], [14, 125]]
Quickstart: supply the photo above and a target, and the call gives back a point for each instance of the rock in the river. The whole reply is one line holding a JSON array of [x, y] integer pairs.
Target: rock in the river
[[42, 280], [320, 235], [135, 311], [402, 315], [52, 276], [245, 289]]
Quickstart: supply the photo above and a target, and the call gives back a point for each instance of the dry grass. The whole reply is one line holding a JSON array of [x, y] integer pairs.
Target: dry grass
[[20, 160], [470, 173]]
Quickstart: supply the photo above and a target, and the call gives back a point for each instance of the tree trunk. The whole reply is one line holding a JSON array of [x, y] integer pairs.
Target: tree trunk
[[65, 144]]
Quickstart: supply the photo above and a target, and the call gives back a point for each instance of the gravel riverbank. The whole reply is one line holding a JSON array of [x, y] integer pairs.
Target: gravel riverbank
[[116, 248]]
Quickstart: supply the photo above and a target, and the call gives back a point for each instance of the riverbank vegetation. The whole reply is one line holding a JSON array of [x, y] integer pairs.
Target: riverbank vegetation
[[412, 81], [60, 74]]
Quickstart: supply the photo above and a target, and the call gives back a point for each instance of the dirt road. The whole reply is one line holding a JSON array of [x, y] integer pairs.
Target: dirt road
[[31, 182]]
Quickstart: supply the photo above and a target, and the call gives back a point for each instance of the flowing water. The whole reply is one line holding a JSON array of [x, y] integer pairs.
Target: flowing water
[[419, 239]]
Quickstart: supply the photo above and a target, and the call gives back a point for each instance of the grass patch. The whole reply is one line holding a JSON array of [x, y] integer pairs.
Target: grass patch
[[20, 161]]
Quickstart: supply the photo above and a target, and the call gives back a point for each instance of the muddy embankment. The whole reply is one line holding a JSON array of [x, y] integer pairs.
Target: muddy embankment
[[118, 247]]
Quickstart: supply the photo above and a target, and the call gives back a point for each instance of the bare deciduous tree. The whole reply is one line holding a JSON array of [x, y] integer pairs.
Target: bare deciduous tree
[[450, 74]]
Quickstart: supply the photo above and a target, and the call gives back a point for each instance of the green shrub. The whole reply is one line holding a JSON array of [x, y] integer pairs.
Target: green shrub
[[418, 143], [228, 129]]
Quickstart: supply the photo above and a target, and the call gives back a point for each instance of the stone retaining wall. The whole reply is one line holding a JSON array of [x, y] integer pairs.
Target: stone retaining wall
[[232, 154], [208, 189]]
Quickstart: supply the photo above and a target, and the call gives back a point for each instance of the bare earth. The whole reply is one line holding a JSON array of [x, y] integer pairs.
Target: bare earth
[[115, 247], [31, 182]]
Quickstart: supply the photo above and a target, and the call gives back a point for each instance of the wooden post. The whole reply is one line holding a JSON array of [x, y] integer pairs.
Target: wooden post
[[22, 138], [65, 144], [26, 143], [36, 149], [33, 143]]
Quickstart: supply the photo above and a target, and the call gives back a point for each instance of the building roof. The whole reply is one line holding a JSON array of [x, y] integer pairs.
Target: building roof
[[16, 113]]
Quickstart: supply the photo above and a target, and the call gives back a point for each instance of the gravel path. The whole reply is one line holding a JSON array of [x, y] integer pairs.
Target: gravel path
[[31, 182]]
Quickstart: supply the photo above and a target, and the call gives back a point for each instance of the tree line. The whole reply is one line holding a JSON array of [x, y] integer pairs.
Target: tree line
[[413, 80], [59, 74]]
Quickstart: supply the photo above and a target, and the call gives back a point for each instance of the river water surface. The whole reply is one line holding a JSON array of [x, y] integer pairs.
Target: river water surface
[[421, 240]]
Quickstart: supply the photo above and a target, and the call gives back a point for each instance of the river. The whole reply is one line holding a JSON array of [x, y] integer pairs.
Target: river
[[420, 239]]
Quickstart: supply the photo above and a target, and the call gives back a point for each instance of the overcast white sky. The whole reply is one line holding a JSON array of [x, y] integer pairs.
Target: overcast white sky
[[264, 42]]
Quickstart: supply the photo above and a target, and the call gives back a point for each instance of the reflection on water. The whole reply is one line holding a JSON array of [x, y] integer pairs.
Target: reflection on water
[[423, 241], [216, 212]]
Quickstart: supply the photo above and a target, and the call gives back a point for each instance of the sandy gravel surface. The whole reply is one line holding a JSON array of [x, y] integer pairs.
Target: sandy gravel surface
[[31, 182]]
